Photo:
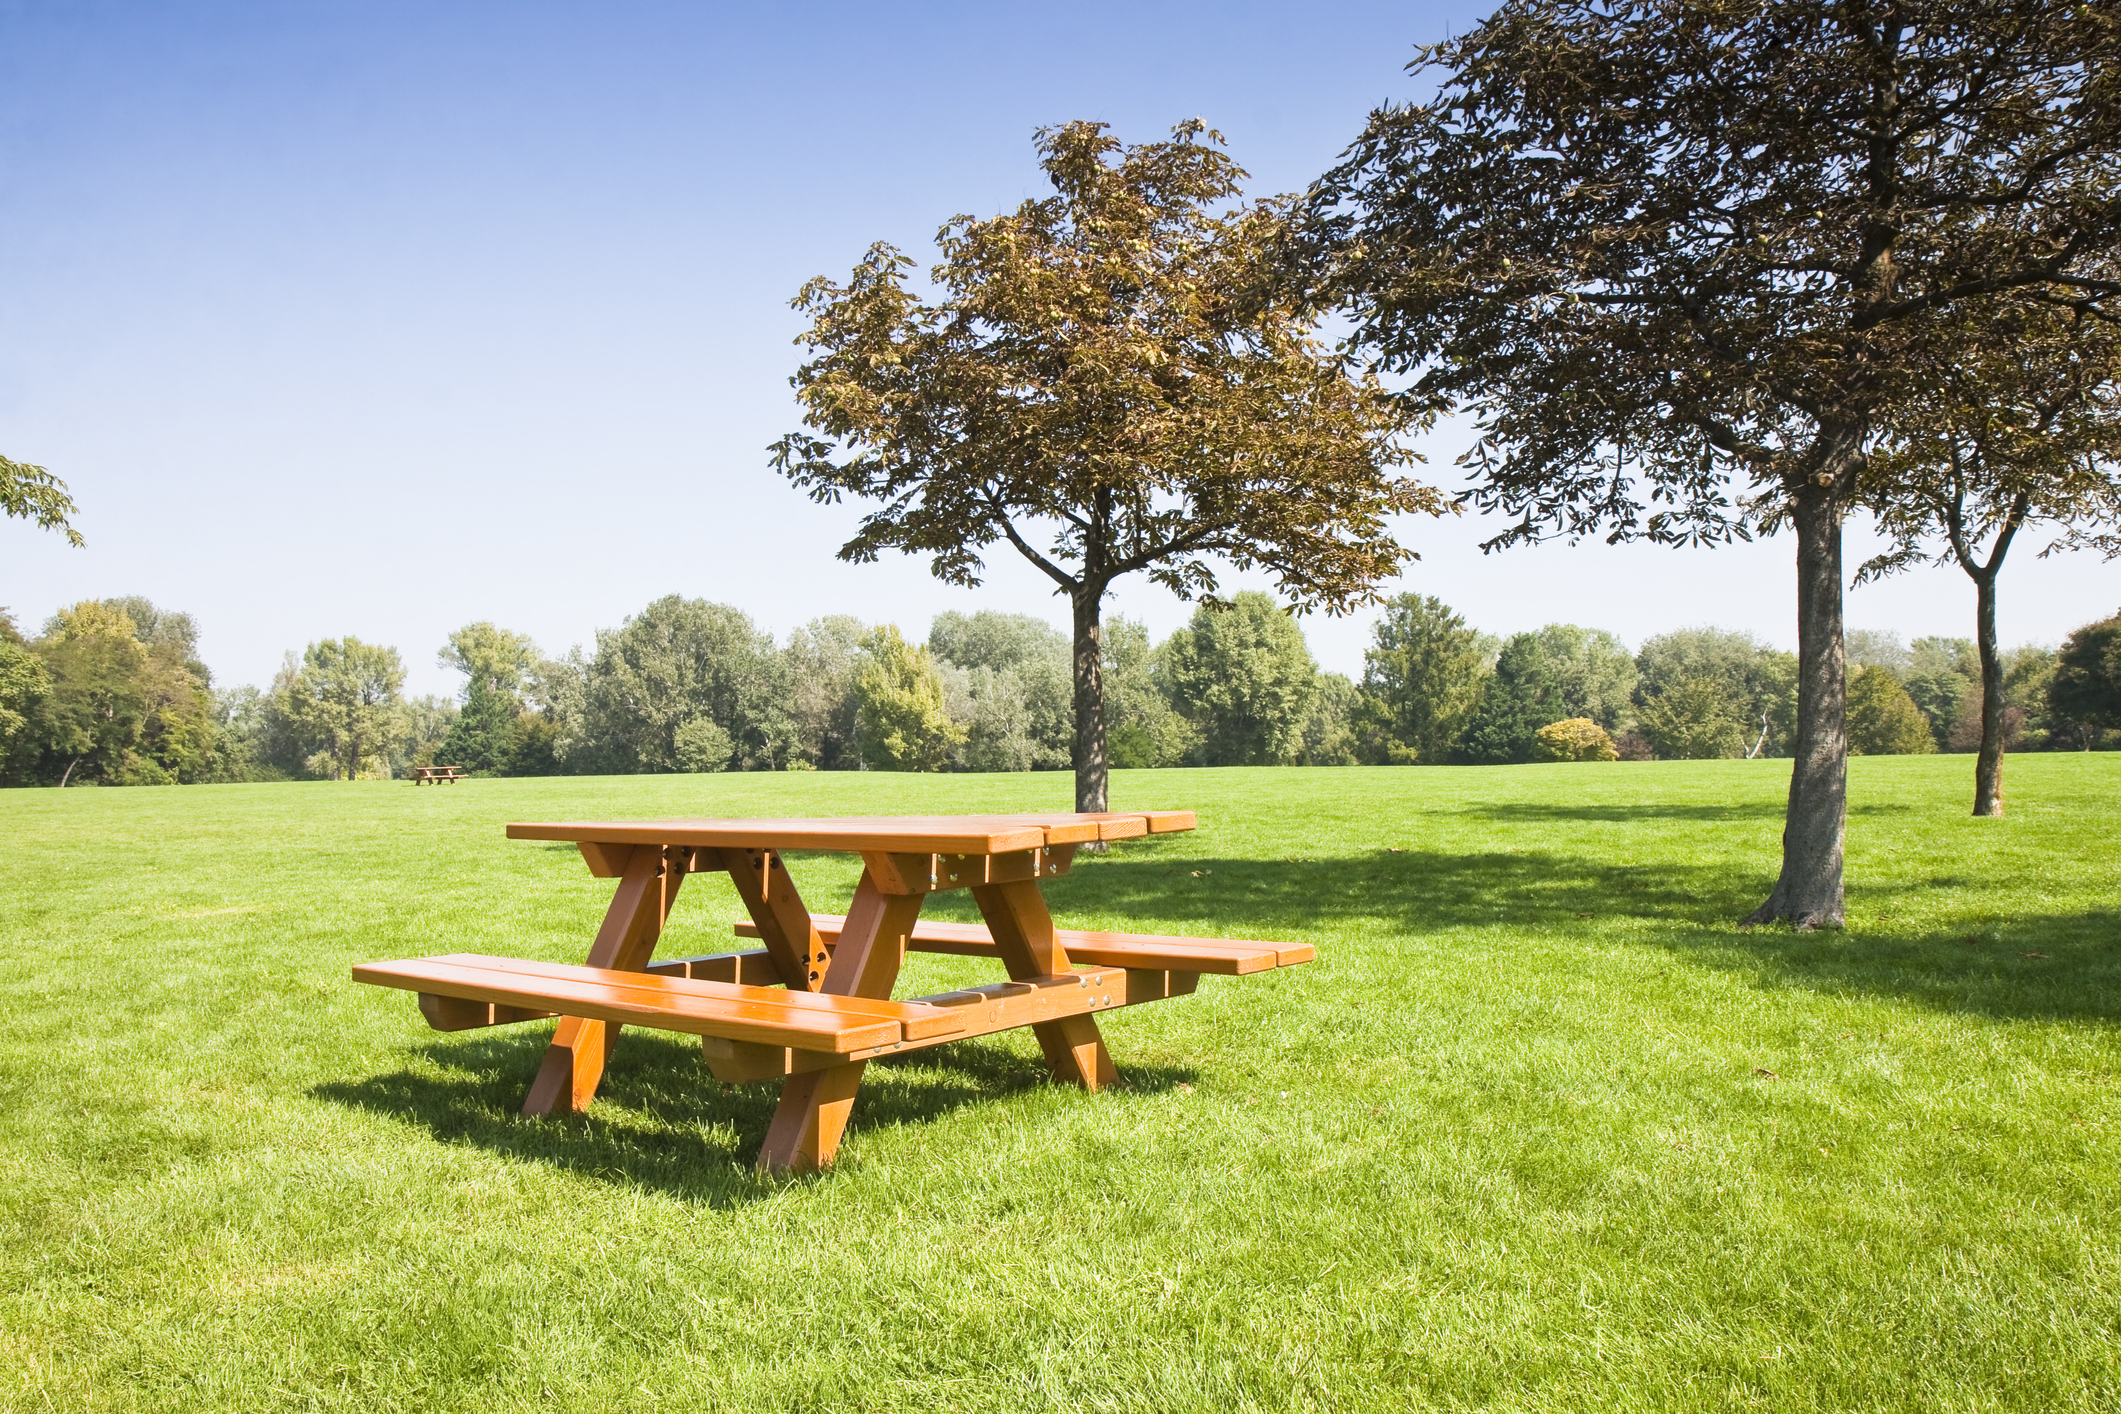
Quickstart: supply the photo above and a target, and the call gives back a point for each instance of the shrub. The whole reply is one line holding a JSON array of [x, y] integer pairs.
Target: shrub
[[1882, 719], [1577, 739]]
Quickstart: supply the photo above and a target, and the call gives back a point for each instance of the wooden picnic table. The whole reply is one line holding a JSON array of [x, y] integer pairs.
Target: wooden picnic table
[[424, 775], [812, 1005]]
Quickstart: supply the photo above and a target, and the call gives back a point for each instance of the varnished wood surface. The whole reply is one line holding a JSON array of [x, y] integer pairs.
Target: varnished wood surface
[[1230, 957], [769, 1015], [884, 834]]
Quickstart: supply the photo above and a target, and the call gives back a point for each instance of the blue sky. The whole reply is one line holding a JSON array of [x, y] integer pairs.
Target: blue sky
[[377, 319]]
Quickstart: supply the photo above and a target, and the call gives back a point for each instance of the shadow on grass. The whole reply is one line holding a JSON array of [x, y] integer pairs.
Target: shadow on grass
[[1538, 812], [2022, 966], [660, 1120]]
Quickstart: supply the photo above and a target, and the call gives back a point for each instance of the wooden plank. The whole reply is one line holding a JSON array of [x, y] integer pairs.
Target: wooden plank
[[779, 914], [941, 834], [574, 1062], [811, 1117], [916, 1020], [752, 968], [458, 1014], [758, 1014], [1224, 956], [1029, 947]]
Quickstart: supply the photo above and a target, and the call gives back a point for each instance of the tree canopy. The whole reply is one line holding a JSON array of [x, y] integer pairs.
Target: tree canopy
[[1110, 382]]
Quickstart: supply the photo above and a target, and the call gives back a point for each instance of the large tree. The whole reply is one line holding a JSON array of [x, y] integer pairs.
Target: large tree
[[343, 701], [1242, 673], [1422, 680], [1684, 256], [1109, 382], [2019, 424]]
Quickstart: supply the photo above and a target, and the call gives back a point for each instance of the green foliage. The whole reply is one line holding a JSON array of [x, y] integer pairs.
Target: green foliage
[[1756, 684], [1577, 739], [701, 745], [1692, 719], [1520, 697], [1943, 677], [1010, 685], [675, 662], [1240, 672], [32, 493], [1422, 681], [482, 735], [127, 704], [819, 666], [344, 707], [505, 660], [1594, 670], [905, 725], [1882, 719], [25, 684], [1329, 728], [2085, 690]]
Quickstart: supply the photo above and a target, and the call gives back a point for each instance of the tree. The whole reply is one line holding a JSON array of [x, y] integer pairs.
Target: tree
[[1940, 673], [819, 666], [1144, 729], [1329, 727], [344, 702], [1883, 720], [678, 661], [899, 696], [1691, 719], [93, 716], [1757, 684], [2086, 687], [32, 493], [25, 683], [1014, 677], [506, 660], [2021, 424], [1111, 383], [1242, 674], [1593, 669], [1520, 698], [1421, 682], [482, 735], [1679, 251]]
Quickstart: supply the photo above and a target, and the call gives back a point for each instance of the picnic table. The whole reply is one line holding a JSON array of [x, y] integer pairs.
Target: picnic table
[[423, 775], [812, 1005]]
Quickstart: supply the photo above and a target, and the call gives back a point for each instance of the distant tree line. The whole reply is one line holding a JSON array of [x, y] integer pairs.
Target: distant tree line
[[112, 692]]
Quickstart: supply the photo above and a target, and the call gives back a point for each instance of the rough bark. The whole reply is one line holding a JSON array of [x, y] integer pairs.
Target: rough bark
[[1091, 769], [1988, 766], [1809, 892]]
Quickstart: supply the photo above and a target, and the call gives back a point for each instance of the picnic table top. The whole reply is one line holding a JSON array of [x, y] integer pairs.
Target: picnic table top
[[926, 834]]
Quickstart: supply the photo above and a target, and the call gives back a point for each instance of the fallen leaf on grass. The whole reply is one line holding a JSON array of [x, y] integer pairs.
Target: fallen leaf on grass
[[2032, 954], [1183, 1088], [1764, 1071]]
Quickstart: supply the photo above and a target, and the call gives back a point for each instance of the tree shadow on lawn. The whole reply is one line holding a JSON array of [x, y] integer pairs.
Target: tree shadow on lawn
[[2050, 966], [1539, 812], [660, 1120]]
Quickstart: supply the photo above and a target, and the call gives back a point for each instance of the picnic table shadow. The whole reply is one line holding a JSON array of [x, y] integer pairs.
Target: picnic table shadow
[[2048, 966], [661, 1121]]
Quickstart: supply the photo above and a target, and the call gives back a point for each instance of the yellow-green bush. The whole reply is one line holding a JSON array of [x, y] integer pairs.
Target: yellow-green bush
[[1577, 739]]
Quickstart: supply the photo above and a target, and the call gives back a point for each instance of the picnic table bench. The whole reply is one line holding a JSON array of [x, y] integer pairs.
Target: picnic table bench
[[812, 1005], [423, 775]]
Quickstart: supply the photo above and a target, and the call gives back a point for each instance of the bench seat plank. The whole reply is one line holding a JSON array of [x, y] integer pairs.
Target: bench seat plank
[[1225, 956], [771, 1016]]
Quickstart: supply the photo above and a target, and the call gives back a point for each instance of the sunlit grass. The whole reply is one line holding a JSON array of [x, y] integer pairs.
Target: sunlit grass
[[1541, 1129]]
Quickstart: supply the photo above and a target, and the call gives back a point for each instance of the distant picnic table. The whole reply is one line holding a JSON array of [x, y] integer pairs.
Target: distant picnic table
[[812, 1005], [424, 775]]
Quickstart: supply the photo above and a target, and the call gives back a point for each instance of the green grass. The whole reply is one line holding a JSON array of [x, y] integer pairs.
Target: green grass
[[1540, 1130]]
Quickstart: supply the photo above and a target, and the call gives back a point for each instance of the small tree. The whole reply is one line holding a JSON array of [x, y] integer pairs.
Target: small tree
[[1111, 385], [1692, 719], [345, 699], [1521, 697], [2021, 423], [32, 493], [1421, 682], [1577, 739], [1242, 674], [1685, 258], [1883, 719], [899, 696], [2086, 687]]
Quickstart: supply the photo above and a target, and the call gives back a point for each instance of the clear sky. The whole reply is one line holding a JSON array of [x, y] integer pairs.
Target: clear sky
[[379, 319]]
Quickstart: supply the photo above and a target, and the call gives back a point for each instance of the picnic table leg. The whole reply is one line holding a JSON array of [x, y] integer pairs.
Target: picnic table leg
[[814, 1106], [574, 1062], [1024, 936]]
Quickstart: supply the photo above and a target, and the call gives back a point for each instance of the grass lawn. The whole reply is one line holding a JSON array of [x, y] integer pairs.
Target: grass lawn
[[1540, 1130]]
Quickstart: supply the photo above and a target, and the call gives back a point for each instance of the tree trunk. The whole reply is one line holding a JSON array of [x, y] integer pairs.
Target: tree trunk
[[69, 772], [1808, 893], [1091, 771], [1988, 766]]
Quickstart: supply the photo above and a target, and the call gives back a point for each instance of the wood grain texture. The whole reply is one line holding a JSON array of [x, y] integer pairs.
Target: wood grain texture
[[779, 915], [1029, 946]]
